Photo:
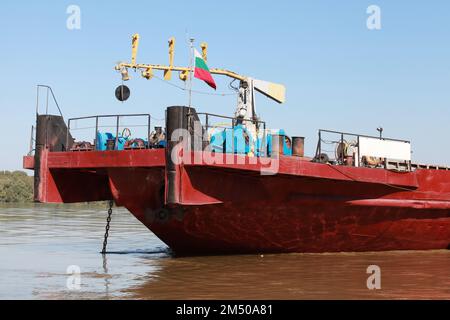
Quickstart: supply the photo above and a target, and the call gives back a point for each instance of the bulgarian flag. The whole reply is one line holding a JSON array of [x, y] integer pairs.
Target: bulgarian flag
[[202, 71]]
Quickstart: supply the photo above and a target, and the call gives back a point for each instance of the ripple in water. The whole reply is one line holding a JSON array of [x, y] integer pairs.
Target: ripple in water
[[39, 242]]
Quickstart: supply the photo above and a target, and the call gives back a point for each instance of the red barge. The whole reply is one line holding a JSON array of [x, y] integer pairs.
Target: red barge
[[213, 189]]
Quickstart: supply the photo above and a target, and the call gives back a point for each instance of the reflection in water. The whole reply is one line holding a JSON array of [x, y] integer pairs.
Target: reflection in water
[[38, 243], [415, 275], [105, 271]]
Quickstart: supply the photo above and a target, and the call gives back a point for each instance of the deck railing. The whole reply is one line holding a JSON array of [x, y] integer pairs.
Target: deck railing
[[49, 92], [32, 141], [336, 140], [215, 121], [116, 126]]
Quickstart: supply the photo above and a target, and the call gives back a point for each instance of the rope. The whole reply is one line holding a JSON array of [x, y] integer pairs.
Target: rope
[[195, 91], [382, 183], [392, 186], [329, 141]]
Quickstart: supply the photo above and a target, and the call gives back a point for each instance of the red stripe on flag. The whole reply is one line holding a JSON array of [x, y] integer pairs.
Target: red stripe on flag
[[205, 76]]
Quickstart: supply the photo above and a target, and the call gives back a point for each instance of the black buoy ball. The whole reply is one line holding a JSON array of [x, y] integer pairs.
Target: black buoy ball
[[122, 93]]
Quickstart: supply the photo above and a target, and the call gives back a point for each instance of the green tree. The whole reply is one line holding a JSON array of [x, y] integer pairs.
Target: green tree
[[15, 186]]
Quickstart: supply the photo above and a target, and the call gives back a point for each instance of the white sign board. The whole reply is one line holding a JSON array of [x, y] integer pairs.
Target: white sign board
[[373, 147]]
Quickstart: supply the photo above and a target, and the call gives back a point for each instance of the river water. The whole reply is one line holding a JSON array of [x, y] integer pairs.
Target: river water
[[43, 247]]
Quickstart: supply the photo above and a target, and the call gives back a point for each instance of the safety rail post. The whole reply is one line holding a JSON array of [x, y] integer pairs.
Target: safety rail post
[[359, 155], [320, 143], [31, 140], [116, 147], [342, 153], [37, 101], [96, 133], [46, 105], [68, 133], [149, 128], [232, 137], [263, 147], [206, 132]]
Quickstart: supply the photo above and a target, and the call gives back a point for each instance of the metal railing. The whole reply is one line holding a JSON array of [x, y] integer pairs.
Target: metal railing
[[32, 141], [342, 137], [117, 125], [49, 91], [234, 121]]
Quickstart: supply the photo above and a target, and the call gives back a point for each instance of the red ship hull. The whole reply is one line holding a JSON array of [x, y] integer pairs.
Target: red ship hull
[[233, 208]]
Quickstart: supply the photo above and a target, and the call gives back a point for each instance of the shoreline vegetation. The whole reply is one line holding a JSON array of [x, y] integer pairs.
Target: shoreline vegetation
[[16, 187]]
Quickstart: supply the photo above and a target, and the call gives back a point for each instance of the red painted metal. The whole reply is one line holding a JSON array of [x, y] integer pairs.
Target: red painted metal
[[28, 162], [233, 208]]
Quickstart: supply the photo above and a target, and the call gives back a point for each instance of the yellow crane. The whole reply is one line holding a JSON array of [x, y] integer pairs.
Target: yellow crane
[[245, 113], [272, 90]]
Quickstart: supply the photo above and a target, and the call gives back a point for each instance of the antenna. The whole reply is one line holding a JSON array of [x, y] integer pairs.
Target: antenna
[[380, 130]]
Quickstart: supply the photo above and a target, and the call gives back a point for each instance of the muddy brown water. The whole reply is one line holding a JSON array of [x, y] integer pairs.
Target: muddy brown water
[[42, 245]]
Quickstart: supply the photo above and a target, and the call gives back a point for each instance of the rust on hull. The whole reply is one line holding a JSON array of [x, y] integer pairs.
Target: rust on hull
[[232, 208]]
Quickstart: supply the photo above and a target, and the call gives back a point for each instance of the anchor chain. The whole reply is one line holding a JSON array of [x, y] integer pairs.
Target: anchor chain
[[108, 222]]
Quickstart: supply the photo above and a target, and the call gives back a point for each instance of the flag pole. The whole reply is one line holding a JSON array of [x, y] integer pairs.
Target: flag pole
[[191, 70]]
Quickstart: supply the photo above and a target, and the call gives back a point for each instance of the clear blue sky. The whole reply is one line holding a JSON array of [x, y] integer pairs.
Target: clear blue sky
[[338, 74]]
